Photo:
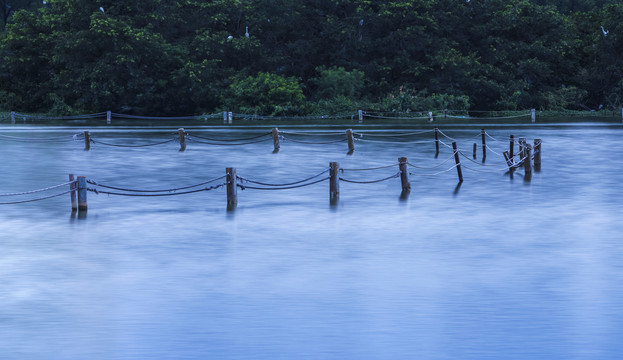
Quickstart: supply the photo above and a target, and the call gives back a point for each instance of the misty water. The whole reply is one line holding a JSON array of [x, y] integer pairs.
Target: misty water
[[497, 268]]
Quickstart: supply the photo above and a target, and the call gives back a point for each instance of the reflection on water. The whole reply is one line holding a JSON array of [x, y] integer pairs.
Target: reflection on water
[[495, 267]]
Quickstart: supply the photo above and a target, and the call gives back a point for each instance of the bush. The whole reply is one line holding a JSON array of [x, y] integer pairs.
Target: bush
[[266, 94]]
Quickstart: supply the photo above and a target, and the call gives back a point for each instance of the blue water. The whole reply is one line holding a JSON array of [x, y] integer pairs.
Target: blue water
[[496, 268]]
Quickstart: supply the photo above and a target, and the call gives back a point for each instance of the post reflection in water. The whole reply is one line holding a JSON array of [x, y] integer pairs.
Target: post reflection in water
[[490, 267]]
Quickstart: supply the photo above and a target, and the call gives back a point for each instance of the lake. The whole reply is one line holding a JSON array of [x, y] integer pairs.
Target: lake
[[498, 267]]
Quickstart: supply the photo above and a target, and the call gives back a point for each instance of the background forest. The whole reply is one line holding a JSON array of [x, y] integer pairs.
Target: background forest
[[291, 57]]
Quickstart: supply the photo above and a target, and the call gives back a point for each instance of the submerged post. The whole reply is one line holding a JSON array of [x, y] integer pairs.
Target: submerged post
[[511, 147], [533, 113], [232, 188], [404, 174], [12, 117], [484, 145], [360, 113], [72, 187], [334, 182], [276, 145], [537, 154], [87, 141], [82, 193], [436, 139], [224, 117], [475, 148], [182, 136], [508, 160], [351, 141], [458, 161], [528, 162], [522, 151], [108, 117], [230, 117]]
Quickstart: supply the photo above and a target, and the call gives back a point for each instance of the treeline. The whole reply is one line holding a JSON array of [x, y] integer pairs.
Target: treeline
[[294, 57]]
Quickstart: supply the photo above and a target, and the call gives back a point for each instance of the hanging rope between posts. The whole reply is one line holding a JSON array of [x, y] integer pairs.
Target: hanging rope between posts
[[280, 185], [244, 187], [437, 173], [38, 199], [312, 133], [493, 151], [131, 146], [362, 134], [92, 182], [154, 195], [51, 139], [232, 140], [192, 138], [369, 169], [371, 181], [433, 167], [39, 190], [313, 143], [474, 161], [448, 137]]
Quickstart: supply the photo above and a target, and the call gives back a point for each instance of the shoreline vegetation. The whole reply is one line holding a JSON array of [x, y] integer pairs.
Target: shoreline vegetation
[[290, 58]]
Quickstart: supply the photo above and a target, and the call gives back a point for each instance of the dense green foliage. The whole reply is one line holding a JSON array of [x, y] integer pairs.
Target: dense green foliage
[[313, 56]]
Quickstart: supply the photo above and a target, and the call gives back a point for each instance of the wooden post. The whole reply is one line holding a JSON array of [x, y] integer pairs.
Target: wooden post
[[82, 193], [224, 117], [108, 117], [537, 154], [404, 174], [522, 154], [475, 148], [528, 162], [351, 141], [232, 189], [509, 162], [230, 117], [73, 187], [12, 117], [436, 140], [182, 136], [334, 182], [533, 115], [484, 144], [511, 147], [621, 114], [445, 114], [458, 161], [87, 141], [276, 140], [360, 113]]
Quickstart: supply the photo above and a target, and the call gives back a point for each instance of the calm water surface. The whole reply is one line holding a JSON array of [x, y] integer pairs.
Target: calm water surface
[[497, 268]]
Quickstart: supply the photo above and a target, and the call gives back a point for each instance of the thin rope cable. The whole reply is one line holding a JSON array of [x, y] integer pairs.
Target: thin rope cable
[[38, 199], [435, 174], [192, 139], [393, 135], [312, 133], [369, 169], [213, 139], [493, 151], [313, 143], [371, 181], [397, 117], [131, 146], [51, 139], [433, 167], [243, 187], [474, 161], [154, 195], [442, 133], [92, 182], [39, 190], [287, 184]]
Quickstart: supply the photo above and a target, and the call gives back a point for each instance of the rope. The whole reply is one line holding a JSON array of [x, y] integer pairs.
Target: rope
[[313, 143], [396, 142], [372, 181], [434, 167], [312, 133], [397, 117], [474, 161], [394, 135], [92, 182], [131, 146], [39, 190], [38, 199], [245, 139], [51, 139], [287, 184], [152, 195], [435, 174], [190, 138], [243, 187], [442, 133], [368, 169]]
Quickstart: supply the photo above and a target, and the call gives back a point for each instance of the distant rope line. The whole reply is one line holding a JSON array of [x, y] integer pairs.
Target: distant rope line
[[370, 169], [243, 187], [38, 199], [131, 146], [371, 181], [313, 143], [232, 140], [39, 190], [72, 137], [71, 183], [96, 191], [93, 182], [285, 184]]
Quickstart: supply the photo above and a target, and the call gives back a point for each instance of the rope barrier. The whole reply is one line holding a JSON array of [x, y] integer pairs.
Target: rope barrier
[[131, 146], [371, 181], [313, 143], [312, 133], [244, 187], [369, 169], [38, 199], [361, 134], [287, 184], [154, 195], [191, 138], [433, 167], [38, 190], [50, 139], [92, 182], [212, 139], [437, 173]]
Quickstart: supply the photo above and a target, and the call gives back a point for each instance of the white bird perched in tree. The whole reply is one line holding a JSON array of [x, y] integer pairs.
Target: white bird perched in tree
[[604, 31], [246, 31], [101, 9], [44, 3]]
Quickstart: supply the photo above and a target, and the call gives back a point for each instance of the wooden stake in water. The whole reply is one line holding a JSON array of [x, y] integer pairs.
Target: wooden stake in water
[[537, 155], [533, 113], [87, 141], [475, 147], [276, 145], [458, 161], [232, 188], [351, 141], [82, 193], [360, 113], [527, 164], [12, 117], [182, 136], [511, 147], [484, 144], [108, 117], [334, 182], [436, 140], [404, 174], [522, 153], [73, 186]]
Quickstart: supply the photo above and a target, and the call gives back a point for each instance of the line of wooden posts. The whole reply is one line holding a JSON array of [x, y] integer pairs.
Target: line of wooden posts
[[79, 184]]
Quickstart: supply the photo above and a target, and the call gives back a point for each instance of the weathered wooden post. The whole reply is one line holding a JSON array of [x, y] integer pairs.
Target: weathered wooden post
[[108, 117], [334, 182], [404, 174], [351, 141], [511, 147], [182, 137], [87, 141], [475, 148], [232, 189], [527, 165], [484, 144], [458, 161], [436, 140], [13, 117], [276, 145], [537, 155], [82, 193], [522, 151], [533, 112], [72, 188], [360, 113], [224, 117]]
